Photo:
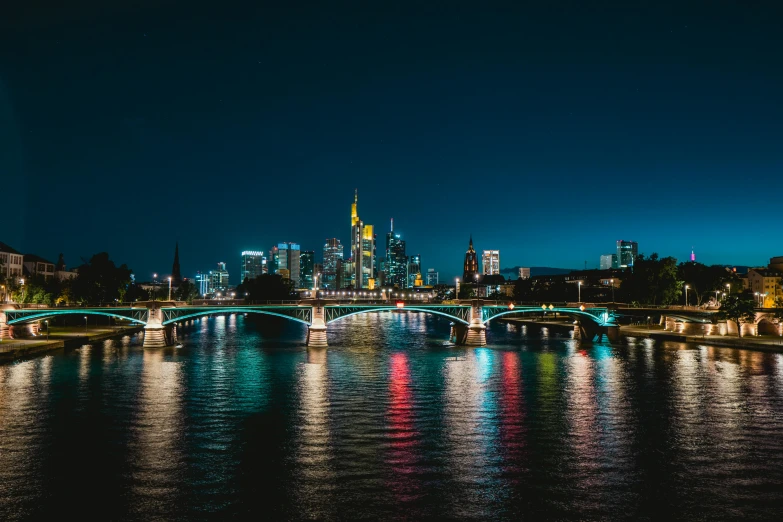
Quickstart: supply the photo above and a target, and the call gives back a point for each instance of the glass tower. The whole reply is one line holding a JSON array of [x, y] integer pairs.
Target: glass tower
[[253, 264], [396, 264], [626, 253], [333, 255], [288, 260], [307, 268]]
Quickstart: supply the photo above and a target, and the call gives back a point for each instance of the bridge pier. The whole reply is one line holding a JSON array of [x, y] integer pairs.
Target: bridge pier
[[5, 330], [477, 330], [586, 331], [316, 330], [154, 331]]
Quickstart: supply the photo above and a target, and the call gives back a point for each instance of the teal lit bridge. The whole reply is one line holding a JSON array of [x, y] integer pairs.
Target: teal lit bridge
[[469, 318]]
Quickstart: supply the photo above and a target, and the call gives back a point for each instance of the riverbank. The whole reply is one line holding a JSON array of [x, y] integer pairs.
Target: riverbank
[[59, 338], [762, 343]]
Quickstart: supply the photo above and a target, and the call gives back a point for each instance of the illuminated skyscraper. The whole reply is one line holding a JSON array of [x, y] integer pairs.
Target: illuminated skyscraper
[[432, 277], [288, 259], [608, 261], [490, 262], [626, 253], [396, 260], [470, 268], [203, 284], [362, 249], [414, 269], [333, 254], [307, 268], [218, 279], [253, 265]]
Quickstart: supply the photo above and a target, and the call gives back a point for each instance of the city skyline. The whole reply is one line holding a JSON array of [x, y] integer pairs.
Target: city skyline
[[654, 122]]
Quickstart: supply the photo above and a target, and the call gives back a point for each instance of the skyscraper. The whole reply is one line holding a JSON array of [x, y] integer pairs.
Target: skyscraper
[[414, 269], [218, 279], [626, 253], [288, 259], [253, 264], [471, 264], [490, 262], [274, 260], [608, 261], [362, 249], [432, 277], [333, 251], [176, 275], [396, 260], [368, 257], [307, 268], [203, 283]]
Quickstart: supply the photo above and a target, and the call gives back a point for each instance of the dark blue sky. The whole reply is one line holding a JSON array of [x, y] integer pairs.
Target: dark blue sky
[[546, 132]]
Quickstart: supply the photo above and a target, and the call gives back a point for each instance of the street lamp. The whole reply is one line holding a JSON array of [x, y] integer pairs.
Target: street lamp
[[728, 285], [155, 286], [456, 288], [612, 283], [475, 276], [579, 286], [85, 324], [169, 288], [47, 329], [686, 294]]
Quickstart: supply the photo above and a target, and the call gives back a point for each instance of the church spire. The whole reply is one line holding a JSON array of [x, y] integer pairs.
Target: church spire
[[176, 275]]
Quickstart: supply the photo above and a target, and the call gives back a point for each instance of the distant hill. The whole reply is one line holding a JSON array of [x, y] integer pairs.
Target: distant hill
[[513, 273]]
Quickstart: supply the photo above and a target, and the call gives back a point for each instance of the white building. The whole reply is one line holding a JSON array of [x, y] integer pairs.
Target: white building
[[36, 265], [490, 262], [11, 262], [524, 273]]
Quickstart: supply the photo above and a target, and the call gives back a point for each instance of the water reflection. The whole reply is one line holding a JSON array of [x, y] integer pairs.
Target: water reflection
[[403, 455], [389, 423], [313, 444], [471, 429], [155, 449], [24, 396]]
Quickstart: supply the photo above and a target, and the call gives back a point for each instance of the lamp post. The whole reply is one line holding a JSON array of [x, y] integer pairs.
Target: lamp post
[[686, 295], [475, 276], [728, 285], [579, 286], [85, 325], [169, 288], [155, 286], [47, 329], [612, 283], [456, 288]]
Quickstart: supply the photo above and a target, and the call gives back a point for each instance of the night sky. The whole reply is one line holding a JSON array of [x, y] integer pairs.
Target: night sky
[[548, 133]]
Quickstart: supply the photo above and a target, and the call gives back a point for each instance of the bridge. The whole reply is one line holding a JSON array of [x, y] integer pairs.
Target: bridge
[[469, 318]]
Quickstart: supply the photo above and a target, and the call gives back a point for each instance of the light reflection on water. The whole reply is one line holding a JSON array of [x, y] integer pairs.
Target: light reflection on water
[[391, 423]]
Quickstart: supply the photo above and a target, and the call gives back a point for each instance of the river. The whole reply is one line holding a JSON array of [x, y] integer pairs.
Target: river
[[391, 423]]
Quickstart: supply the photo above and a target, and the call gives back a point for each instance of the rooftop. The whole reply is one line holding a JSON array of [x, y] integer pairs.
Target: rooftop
[[6, 248]]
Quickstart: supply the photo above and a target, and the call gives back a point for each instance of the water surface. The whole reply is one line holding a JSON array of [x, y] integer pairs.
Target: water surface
[[390, 423]]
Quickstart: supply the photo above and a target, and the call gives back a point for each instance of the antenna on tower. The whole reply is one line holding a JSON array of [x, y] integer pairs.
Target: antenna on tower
[[392, 224]]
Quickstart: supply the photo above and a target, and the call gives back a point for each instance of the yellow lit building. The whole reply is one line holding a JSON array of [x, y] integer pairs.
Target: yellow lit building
[[765, 284]]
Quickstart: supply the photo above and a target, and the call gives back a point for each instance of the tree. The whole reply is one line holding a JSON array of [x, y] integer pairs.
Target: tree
[[186, 291], [101, 281], [738, 308], [702, 280], [266, 287], [653, 281]]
